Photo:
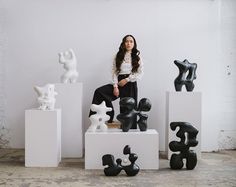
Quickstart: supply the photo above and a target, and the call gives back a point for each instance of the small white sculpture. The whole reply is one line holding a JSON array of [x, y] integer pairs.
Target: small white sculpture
[[46, 96], [98, 119], [69, 61]]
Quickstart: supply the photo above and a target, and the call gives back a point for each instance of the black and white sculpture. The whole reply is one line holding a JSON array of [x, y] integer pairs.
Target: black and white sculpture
[[114, 169], [187, 134], [129, 116], [132, 169], [181, 79]]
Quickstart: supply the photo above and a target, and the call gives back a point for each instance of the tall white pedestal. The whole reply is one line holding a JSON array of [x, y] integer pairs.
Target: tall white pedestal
[[69, 99], [183, 107], [144, 144], [42, 138]]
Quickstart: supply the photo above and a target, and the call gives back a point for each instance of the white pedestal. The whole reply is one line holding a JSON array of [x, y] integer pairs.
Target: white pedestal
[[42, 138], [144, 144], [183, 107], [69, 99]]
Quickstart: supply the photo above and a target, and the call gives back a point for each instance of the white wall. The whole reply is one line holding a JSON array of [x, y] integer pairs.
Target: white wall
[[165, 30], [227, 135], [4, 130]]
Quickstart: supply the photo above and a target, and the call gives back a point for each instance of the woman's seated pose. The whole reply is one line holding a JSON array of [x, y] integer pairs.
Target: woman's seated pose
[[127, 69]]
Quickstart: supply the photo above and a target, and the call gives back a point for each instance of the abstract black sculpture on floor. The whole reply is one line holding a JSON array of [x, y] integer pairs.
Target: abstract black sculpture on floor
[[129, 115], [182, 79], [114, 169], [187, 134]]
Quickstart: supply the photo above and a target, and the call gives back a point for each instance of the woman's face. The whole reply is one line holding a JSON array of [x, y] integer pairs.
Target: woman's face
[[129, 43]]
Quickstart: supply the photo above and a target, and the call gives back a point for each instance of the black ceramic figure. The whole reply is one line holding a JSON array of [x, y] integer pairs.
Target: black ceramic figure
[[114, 169], [143, 106], [129, 117], [182, 79], [132, 169], [187, 134]]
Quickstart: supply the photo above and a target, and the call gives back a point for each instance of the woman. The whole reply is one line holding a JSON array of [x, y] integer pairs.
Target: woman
[[127, 69]]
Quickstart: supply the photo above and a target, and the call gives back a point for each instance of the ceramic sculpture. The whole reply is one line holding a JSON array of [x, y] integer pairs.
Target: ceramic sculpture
[[187, 134], [46, 96], [99, 119], [68, 59], [114, 169], [181, 79], [128, 117]]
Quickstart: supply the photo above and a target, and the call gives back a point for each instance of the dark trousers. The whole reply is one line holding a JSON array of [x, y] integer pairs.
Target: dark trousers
[[105, 93]]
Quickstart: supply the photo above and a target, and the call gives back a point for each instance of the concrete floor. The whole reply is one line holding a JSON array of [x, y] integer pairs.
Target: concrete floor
[[214, 169]]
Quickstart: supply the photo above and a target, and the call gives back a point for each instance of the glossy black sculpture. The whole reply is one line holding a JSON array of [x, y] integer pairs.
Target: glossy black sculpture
[[114, 169], [176, 161], [132, 169], [182, 79], [128, 117]]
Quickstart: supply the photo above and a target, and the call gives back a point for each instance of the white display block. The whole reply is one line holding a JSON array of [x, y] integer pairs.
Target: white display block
[[42, 138], [144, 144], [183, 107], [69, 99]]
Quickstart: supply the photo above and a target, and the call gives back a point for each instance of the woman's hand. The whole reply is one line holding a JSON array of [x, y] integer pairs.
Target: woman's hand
[[122, 82], [116, 91]]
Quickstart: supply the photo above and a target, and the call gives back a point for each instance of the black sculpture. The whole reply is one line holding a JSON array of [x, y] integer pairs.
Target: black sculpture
[[132, 169], [176, 161], [114, 169], [182, 79], [129, 116]]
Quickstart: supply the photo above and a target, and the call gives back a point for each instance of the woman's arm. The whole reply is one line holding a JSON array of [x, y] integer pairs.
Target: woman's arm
[[114, 75], [137, 75], [115, 79]]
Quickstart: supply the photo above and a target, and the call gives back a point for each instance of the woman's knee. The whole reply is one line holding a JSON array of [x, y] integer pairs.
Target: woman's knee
[[98, 91], [103, 89]]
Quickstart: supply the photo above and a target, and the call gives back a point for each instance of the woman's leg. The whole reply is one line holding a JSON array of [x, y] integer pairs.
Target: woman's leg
[[104, 93]]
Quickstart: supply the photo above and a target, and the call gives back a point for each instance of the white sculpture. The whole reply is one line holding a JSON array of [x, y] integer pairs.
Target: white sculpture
[[46, 96], [69, 61], [98, 119]]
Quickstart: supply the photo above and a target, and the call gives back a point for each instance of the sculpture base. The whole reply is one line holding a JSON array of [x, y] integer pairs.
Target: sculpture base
[[183, 107], [42, 138], [144, 144], [69, 99]]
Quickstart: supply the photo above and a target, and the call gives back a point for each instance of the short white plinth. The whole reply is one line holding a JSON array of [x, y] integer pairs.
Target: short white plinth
[[69, 99], [183, 107], [144, 144], [42, 138]]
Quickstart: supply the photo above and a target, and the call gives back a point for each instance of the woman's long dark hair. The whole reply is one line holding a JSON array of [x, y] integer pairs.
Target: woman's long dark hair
[[134, 55]]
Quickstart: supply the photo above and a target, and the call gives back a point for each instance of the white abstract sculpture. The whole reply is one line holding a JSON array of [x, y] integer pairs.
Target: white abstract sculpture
[[98, 119], [69, 61], [46, 96]]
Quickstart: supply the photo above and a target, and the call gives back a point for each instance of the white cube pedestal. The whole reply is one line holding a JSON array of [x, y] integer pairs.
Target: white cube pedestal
[[144, 144], [69, 99], [42, 138], [183, 107]]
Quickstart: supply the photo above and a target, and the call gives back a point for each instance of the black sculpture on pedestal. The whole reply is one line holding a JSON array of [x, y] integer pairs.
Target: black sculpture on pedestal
[[114, 169], [128, 117], [182, 79], [187, 134]]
